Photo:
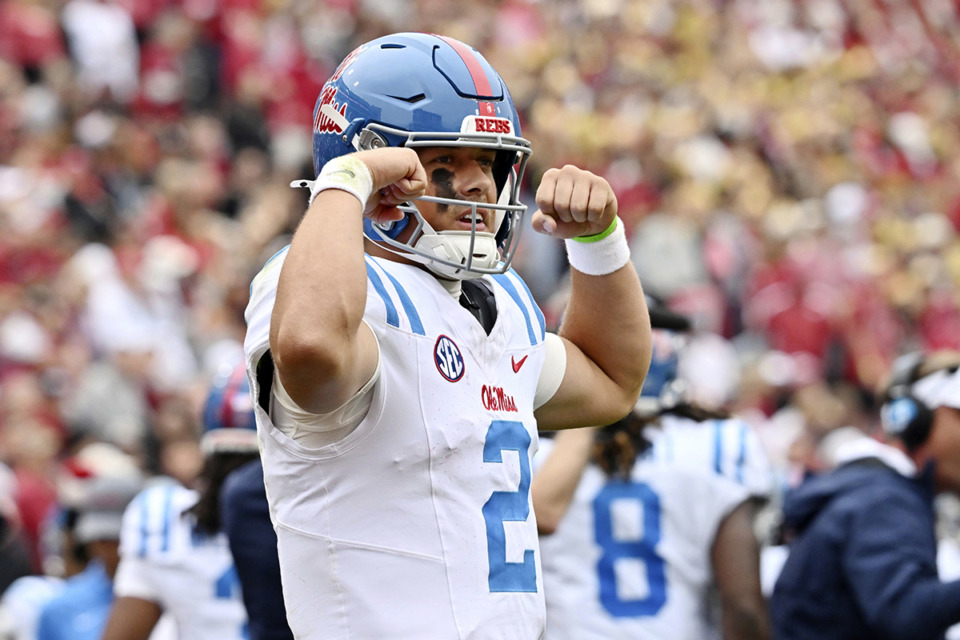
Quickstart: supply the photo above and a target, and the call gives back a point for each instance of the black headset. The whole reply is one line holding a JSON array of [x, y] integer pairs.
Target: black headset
[[903, 415]]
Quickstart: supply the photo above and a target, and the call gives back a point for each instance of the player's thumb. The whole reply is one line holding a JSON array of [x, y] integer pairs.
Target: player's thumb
[[542, 223]]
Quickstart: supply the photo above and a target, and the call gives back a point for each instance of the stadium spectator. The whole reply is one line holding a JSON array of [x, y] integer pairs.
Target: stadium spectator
[[72, 596], [15, 560], [79, 611]]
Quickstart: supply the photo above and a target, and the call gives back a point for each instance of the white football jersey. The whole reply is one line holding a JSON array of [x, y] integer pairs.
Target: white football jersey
[[22, 602], [419, 523], [190, 575], [631, 559], [730, 448]]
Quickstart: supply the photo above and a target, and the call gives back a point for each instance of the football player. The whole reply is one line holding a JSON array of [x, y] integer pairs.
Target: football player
[[401, 366], [647, 524], [174, 558], [245, 518], [80, 541]]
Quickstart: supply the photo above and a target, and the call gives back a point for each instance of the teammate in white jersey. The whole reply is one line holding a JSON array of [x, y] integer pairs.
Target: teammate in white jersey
[[401, 367], [646, 521], [174, 559]]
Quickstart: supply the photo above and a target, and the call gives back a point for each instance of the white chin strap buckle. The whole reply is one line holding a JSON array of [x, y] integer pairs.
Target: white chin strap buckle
[[454, 247]]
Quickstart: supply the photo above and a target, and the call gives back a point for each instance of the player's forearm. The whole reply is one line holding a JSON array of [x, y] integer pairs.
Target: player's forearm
[[607, 319], [735, 559], [556, 481], [745, 623], [131, 619]]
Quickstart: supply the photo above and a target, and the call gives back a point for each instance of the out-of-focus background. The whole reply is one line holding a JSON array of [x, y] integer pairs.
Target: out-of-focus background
[[788, 172]]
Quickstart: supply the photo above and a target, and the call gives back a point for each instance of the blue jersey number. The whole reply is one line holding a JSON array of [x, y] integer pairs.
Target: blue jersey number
[[643, 548], [510, 506]]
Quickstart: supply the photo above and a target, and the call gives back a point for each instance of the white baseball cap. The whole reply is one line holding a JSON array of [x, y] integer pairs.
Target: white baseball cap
[[939, 389]]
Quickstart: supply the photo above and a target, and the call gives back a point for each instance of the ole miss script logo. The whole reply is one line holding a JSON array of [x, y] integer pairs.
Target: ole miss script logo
[[331, 116], [496, 399]]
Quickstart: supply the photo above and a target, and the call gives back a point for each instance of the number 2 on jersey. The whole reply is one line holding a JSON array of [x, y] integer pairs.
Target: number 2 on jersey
[[643, 548], [508, 506]]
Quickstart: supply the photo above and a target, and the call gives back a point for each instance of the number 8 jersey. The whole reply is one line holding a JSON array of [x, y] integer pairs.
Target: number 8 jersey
[[631, 559], [418, 524]]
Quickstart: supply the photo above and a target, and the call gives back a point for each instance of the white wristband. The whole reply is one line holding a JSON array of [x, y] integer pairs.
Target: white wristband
[[345, 173], [600, 257]]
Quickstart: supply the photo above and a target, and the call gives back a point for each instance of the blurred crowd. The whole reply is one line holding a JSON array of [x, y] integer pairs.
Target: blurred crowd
[[787, 170]]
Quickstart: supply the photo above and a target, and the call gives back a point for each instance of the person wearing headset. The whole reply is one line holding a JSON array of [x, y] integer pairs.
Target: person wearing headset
[[862, 561]]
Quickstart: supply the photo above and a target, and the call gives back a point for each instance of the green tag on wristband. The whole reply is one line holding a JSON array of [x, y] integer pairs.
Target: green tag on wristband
[[599, 236]]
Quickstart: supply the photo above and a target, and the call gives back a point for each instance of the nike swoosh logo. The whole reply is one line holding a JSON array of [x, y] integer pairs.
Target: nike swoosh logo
[[517, 365]]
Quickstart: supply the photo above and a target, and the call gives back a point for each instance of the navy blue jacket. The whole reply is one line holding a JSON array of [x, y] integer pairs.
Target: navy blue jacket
[[864, 563], [245, 517]]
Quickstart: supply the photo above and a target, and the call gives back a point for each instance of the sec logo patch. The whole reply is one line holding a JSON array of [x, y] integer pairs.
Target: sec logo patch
[[448, 359]]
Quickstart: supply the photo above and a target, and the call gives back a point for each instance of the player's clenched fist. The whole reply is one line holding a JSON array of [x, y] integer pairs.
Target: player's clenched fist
[[573, 202], [398, 176]]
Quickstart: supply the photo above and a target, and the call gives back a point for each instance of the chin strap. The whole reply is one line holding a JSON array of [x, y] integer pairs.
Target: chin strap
[[455, 246]]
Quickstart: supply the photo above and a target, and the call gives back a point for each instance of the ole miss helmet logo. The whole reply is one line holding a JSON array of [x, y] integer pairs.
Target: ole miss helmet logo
[[447, 357], [331, 115]]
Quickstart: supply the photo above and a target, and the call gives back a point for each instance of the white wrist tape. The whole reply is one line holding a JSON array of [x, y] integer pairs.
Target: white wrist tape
[[602, 256], [345, 173]]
